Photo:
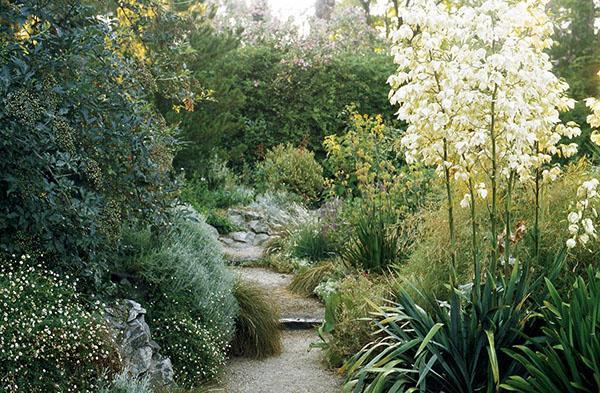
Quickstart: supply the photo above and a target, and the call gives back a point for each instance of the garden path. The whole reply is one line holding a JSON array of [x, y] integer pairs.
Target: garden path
[[296, 369]]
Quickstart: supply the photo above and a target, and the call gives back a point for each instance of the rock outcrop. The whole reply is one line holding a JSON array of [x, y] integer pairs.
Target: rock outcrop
[[140, 354]]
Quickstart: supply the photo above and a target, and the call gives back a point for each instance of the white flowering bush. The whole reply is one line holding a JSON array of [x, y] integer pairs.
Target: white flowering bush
[[50, 339], [482, 105], [581, 219], [198, 351]]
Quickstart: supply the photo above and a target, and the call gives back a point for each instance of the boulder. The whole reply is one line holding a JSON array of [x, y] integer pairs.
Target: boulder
[[242, 237], [257, 226], [260, 239], [236, 219], [213, 230], [140, 354]]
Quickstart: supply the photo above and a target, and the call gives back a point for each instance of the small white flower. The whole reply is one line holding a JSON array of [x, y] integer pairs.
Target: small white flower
[[466, 201], [573, 217], [571, 243]]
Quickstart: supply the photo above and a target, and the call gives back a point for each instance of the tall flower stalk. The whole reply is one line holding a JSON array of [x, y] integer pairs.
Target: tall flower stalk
[[475, 86]]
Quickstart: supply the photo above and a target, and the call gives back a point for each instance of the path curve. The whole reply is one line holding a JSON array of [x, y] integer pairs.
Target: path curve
[[296, 370]]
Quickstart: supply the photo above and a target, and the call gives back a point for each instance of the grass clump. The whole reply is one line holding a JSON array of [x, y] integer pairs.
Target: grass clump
[[312, 243], [305, 281], [375, 244], [257, 332]]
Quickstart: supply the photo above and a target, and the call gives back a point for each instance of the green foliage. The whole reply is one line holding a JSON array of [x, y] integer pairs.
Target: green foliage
[[566, 357], [81, 144], [125, 383], [267, 94], [257, 330], [292, 169], [182, 280], [312, 243], [306, 280], [427, 345], [50, 338], [220, 221], [428, 260], [205, 130], [363, 160], [346, 329], [375, 244], [196, 349]]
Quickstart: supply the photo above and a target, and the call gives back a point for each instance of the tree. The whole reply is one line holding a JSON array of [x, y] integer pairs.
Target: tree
[[82, 144]]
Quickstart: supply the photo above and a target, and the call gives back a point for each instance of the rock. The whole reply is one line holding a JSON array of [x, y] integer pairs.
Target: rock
[[140, 354], [226, 240], [236, 219], [242, 237], [260, 239], [250, 215], [213, 230], [258, 227]]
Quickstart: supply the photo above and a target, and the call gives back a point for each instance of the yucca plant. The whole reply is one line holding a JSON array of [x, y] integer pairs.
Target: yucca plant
[[456, 347], [375, 244], [567, 357]]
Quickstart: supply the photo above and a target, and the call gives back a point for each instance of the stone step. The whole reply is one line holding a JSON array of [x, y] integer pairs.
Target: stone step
[[300, 323]]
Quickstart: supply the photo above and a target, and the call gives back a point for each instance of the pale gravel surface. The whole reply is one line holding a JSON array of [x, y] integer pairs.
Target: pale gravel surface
[[235, 253], [296, 370]]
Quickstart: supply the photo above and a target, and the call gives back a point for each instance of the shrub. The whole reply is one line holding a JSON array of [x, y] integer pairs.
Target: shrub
[[363, 160], [288, 168], [257, 332], [182, 280], [286, 103], [346, 329], [50, 339], [565, 359], [203, 197], [427, 345], [125, 383], [196, 349], [80, 134]]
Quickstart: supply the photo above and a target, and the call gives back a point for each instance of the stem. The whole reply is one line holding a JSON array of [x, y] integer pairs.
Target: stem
[[536, 228], [493, 211], [507, 207], [453, 278], [476, 267]]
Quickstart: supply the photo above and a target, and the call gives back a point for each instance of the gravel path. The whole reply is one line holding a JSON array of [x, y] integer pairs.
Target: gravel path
[[296, 370], [291, 305]]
